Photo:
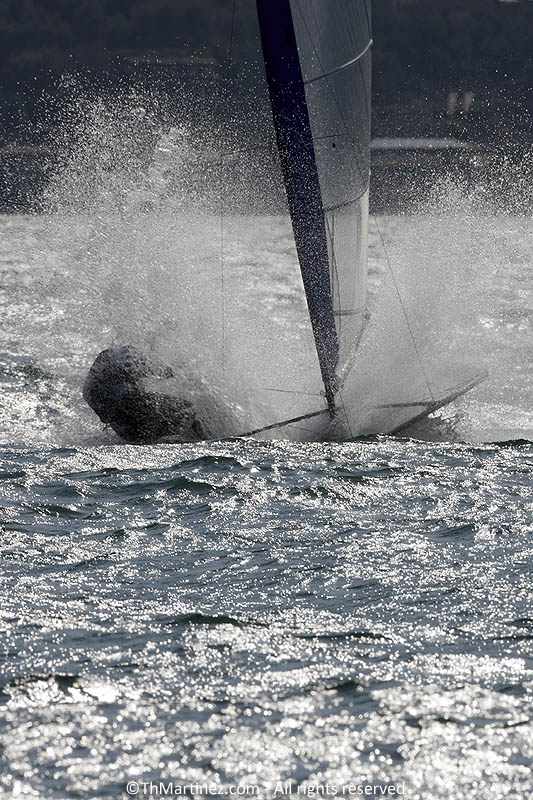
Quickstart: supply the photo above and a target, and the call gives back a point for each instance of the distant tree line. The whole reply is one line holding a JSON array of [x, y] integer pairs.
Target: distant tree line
[[422, 48], [429, 46]]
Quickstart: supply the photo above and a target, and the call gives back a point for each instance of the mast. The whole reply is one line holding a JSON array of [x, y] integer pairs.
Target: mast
[[300, 174]]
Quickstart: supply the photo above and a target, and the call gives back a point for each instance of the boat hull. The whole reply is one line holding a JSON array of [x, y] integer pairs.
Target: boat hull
[[131, 395]]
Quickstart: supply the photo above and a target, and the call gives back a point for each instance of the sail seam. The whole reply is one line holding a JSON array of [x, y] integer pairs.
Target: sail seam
[[349, 63], [349, 312]]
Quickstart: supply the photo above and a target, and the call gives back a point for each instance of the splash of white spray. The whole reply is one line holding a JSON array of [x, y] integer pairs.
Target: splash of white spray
[[138, 252]]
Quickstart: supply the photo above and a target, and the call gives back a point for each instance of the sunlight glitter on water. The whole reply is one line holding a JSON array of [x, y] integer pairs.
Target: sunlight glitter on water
[[352, 615]]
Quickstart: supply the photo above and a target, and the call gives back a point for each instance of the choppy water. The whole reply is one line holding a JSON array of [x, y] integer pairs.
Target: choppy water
[[248, 613], [245, 613]]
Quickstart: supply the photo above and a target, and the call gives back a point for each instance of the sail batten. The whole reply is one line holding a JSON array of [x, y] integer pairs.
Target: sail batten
[[342, 67], [344, 204]]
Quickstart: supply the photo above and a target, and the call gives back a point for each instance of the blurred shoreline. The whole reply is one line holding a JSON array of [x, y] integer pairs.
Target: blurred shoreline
[[449, 69], [405, 172]]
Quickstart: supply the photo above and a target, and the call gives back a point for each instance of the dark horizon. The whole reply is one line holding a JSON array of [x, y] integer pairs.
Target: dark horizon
[[420, 54], [444, 71]]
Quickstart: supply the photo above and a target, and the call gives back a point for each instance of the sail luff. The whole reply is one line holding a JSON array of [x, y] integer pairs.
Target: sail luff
[[300, 175]]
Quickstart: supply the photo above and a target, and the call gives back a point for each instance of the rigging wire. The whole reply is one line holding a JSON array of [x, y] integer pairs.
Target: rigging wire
[[411, 334], [290, 391], [285, 422], [346, 417], [222, 287], [232, 30]]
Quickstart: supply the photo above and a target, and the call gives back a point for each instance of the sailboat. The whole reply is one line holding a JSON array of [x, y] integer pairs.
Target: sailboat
[[315, 77], [317, 58]]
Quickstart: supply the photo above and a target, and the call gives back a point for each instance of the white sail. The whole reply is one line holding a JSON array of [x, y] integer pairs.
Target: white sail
[[334, 44], [315, 165]]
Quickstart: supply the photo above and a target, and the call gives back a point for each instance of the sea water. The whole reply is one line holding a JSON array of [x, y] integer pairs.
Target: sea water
[[263, 617]]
